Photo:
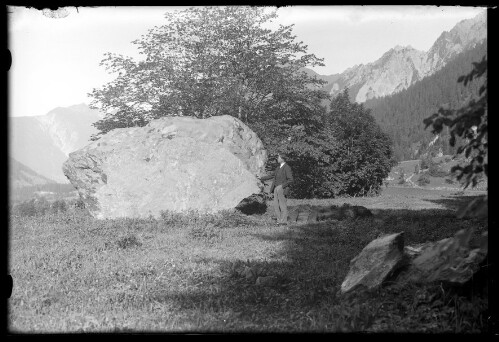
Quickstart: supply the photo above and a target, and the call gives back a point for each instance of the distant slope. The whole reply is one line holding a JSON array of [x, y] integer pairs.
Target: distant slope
[[401, 115], [22, 176], [43, 142]]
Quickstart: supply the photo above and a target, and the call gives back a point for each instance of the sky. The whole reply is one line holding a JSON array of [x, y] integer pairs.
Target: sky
[[56, 55]]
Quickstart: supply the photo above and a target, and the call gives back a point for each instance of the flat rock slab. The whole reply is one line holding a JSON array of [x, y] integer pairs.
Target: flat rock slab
[[377, 261], [303, 214]]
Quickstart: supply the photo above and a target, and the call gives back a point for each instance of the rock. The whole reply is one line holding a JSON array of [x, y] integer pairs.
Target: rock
[[353, 211], [173, 163], [310, 214], [477, 208], [378, 260], [414, 251], [450, 260], [254, 204]]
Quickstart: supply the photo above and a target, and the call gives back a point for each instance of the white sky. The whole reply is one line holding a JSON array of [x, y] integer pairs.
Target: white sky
[[56, 60]]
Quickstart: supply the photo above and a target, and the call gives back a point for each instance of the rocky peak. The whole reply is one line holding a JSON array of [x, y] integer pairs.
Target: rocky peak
[[402, 66]]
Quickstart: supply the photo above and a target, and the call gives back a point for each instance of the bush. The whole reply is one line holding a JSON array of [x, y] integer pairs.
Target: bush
[[401, 178], [423, 179], [59, 206], [449, 181], [128, 241], [436, 171], [33, 207], [26, 208], [79, 204]]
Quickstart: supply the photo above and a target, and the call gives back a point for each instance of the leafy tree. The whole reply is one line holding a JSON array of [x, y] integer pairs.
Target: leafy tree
[[470, 124], [208, 61], [358, 155]]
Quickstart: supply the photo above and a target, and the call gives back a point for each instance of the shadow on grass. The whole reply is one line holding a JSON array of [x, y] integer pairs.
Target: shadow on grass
[[307, 270], [453, 202]]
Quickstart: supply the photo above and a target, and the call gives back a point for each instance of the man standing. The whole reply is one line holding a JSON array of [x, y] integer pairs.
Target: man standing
[[282, 178]]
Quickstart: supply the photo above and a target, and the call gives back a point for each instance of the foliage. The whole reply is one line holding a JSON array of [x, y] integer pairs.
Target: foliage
[[449, 180], [59, 206], [423, 179], [470, 124], [33, 207], [208, 61], [417, 168], [425, 162], [401, 115], [361, 153], [401, 177], [345, 154], [433, 168]]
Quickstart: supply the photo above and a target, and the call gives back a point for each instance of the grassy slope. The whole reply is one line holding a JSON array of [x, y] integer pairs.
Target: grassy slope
[[73, 273]]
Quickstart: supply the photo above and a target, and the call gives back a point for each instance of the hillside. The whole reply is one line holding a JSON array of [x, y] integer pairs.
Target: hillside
[[22, 176], [44, 142], [401, 115]]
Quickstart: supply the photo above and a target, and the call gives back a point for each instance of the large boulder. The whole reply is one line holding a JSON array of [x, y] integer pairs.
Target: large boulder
[[173, 163], [376, 262]]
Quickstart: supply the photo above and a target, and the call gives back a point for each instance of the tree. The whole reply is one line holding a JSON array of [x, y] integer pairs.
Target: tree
[[209, 61], [469, 123], [358, 155]]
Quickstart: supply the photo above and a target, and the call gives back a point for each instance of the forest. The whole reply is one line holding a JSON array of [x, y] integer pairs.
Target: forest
[[401, 115]]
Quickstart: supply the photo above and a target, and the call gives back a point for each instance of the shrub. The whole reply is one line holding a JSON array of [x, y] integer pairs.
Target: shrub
[[423, 179], [79, 204], [128, 241], [59, 206], [436, 171], [26, 208], [449, 181], [401, 179], [33, 207], [425, 163]]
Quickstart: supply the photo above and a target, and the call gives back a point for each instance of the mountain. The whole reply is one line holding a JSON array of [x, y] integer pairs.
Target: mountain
[[400, 67], [22, 176], [44, 142], [401, 114]]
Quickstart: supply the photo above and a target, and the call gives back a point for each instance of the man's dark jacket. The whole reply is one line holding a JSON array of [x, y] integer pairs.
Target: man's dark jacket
[[282, 176]]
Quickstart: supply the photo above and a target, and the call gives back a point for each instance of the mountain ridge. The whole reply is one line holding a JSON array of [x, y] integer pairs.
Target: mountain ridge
[[402, 66]]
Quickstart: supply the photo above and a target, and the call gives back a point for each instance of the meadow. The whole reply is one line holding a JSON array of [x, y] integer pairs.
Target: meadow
[[197, 273]]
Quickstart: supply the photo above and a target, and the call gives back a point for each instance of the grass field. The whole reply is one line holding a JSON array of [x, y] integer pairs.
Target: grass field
[[194, 273]]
